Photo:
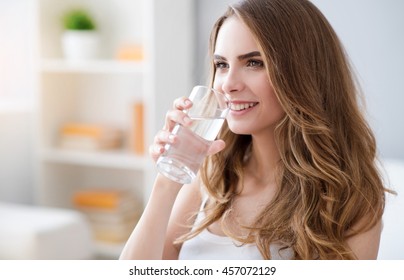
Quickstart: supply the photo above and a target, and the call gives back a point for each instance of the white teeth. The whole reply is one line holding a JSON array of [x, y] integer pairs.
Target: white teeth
[[241, 106]]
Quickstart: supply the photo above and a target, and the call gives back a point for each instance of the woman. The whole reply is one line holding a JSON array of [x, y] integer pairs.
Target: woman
[[294, 174]]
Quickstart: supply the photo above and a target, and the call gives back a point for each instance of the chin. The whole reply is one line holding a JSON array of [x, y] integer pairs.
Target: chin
[[237, 129]]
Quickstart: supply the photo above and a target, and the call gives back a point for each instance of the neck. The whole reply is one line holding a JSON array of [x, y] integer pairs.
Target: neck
[[264, 158]]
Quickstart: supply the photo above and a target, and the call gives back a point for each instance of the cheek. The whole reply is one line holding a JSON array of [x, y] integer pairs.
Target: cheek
[[272, 104], [275, 111]]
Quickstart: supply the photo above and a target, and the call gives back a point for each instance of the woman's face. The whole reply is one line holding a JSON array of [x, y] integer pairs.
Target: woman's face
[[241, 74]]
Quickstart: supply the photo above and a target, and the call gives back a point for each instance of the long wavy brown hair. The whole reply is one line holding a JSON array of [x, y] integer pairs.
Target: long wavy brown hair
[[328, 177]]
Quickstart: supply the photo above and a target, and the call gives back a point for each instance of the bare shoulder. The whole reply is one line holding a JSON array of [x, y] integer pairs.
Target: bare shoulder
[[365, 245], [182, 217]]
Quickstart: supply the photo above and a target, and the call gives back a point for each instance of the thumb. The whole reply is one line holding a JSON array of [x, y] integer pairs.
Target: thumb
[[216, 147]]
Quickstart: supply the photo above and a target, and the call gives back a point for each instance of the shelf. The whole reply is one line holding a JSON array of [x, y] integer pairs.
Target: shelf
[[110, 159], [92, 66], [104, 91]]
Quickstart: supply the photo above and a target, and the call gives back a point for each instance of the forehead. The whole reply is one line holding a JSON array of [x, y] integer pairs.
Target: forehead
[[235, 38]]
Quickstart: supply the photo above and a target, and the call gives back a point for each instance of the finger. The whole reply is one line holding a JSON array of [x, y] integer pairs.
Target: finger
[[182, 103], [162, 138], [176, 116], [155, 151], [216, 147]]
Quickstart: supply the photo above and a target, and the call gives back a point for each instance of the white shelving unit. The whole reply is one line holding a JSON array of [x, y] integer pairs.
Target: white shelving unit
[[92, 67], [104, 91]]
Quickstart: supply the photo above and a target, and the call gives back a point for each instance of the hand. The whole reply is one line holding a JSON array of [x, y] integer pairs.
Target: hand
[[174, 116]]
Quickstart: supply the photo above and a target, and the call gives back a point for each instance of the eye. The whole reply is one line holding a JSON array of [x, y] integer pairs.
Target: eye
[[255, 63], [221, 65]]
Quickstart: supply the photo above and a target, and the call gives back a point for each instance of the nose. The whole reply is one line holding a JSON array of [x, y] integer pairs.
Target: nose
[[232, 81]]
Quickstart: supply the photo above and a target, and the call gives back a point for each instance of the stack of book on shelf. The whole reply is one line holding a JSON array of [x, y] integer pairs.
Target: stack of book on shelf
[[84, 136], [112, 213]]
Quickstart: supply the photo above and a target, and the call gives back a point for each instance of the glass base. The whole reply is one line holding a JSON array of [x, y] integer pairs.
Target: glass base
[[175, 170]]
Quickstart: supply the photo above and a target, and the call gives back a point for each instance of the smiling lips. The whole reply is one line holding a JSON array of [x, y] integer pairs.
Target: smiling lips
[[242, 106]]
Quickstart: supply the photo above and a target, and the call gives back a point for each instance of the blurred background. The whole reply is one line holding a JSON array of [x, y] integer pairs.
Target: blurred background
[[84, 85]]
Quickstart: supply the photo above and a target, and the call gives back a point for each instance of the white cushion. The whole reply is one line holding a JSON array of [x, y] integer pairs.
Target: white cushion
[[32, 232]]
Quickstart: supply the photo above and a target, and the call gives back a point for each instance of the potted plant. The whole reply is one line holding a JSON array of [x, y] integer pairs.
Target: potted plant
[[80, 39]]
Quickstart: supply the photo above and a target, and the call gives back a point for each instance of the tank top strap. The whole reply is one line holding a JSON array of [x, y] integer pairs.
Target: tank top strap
[[205, 198], [201, 213]]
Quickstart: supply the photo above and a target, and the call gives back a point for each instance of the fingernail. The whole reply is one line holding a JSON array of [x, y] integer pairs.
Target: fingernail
[[171, 138], [187, 102], [187, 120]]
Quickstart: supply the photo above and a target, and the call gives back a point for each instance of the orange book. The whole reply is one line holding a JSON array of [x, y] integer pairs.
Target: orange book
[[89, 136], [130, 52], [107, 199], [138, 128], [95, 131]]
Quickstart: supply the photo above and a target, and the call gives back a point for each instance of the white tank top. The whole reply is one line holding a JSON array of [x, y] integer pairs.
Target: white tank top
[[209, 246]]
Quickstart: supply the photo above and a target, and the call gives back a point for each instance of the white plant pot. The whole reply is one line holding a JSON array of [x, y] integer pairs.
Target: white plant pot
[[80, 45]]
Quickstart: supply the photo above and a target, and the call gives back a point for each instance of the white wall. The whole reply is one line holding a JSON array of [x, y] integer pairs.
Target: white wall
[[16, 157], [16, 101], [373, 34]]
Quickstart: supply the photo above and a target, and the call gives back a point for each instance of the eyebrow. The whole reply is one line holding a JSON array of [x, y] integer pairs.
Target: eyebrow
[[240, 57]]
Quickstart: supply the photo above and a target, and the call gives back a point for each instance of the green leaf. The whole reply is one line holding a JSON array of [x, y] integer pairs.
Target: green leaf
[[78, 19]]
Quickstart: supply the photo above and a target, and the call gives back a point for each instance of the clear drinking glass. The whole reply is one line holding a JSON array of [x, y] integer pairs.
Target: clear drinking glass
[[181, 161]]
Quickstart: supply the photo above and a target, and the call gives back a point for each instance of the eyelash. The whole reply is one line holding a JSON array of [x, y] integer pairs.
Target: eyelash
[[221, 65], [254, 63]]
